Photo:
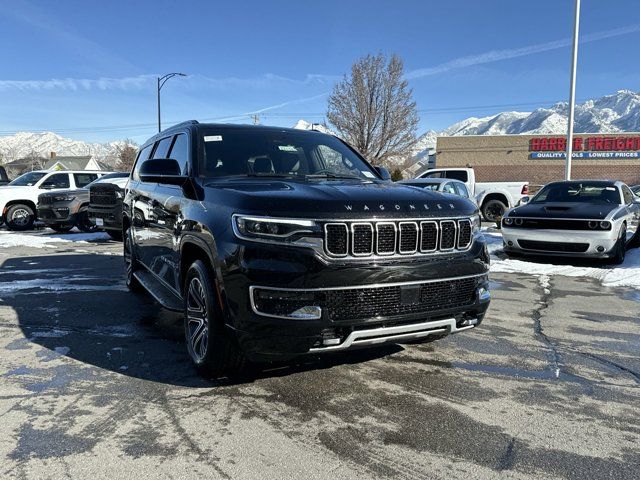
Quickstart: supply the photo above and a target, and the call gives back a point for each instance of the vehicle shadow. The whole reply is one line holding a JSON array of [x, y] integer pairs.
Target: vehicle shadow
[[77, 306]]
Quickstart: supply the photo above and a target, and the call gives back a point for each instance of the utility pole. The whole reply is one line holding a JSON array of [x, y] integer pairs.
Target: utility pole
[[161, 81], [256, 119], [572, 90]]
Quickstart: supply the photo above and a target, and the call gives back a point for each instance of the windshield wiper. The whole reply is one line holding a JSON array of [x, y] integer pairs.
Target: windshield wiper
[[333, 176], [270, 175]]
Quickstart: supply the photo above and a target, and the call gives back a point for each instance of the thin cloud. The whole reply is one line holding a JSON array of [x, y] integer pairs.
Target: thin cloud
[[265, 81], [497, 55], [272, 107]]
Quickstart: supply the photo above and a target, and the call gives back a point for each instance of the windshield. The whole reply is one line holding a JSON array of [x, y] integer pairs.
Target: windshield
[[264, 153], [28, 179], [108, 178], [570, 192]]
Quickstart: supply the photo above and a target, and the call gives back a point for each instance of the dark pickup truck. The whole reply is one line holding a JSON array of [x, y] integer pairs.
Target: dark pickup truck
[[276, 243]]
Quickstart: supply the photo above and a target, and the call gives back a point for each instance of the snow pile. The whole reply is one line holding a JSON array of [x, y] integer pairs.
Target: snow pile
[[46, 239], [625, 275]]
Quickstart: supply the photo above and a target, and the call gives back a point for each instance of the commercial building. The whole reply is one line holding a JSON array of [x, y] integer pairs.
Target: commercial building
[[540, 159]]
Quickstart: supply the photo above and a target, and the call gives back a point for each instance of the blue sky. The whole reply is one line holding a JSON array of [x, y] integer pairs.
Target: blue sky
[[86, 69]]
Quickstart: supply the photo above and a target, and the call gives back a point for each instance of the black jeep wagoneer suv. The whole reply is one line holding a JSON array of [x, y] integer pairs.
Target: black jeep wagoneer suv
[[277, 242]]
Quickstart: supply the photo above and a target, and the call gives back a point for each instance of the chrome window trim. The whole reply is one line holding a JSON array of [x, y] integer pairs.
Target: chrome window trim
[[353, 239], [395, 239], [415, 249], [326, 244], [458, 234], [435, 249], [455, 236]]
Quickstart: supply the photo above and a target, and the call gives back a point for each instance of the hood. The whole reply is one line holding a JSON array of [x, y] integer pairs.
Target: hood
[[339, 198], [578, 210], [71, 191]]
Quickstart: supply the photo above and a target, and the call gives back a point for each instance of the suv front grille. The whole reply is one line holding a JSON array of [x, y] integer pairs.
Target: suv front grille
[[45, 200], [102, 197], [362, 239]]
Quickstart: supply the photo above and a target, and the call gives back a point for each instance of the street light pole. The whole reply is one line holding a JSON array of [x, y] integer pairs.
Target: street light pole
[[572, 90], [161, 81]]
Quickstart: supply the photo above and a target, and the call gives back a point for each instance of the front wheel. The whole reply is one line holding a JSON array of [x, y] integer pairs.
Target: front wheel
[[20, 217], [84, 223], [620, 250], [493, 210], [212, 351], [130, 263]]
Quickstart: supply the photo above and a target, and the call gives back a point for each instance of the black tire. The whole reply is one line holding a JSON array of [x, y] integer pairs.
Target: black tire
[[635, 240], [620, 250], [130, 263], [61, 228], [115, 235], [84, 223], [213, 352], [20, 217], [492, 210]]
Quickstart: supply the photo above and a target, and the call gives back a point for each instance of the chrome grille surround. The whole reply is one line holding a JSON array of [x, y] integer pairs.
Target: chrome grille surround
[[445, 236]]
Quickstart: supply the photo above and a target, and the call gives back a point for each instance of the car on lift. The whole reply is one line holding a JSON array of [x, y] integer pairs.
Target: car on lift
[[578, 218], [19, 199], [276, 243], [62, 210]]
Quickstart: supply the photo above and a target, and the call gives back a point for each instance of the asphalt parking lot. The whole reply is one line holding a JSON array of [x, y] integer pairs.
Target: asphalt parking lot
[[95, 382]]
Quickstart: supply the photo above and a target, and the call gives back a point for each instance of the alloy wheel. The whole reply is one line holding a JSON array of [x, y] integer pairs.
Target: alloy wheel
[[20, 217], [197, 320]]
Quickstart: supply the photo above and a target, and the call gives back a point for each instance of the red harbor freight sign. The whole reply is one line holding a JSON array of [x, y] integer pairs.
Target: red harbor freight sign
[[587, 147]]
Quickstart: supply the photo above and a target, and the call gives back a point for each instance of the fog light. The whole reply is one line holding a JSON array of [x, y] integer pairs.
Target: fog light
[[600, 248], [484, 294], [510, 243]]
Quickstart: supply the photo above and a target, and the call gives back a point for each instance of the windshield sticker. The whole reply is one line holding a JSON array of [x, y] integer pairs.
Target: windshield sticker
[[368, 174], [287, 148], [213, 138]]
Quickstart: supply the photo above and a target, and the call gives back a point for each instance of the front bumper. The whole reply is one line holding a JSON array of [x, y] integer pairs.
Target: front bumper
[[575, 243], [354, 320], [111, 216], [57, 214]]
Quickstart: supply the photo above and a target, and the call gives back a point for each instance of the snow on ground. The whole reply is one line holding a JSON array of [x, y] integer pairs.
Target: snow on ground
[[625, 275], [46, 238]]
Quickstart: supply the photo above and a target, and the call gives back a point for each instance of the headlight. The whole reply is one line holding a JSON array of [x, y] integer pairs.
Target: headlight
[[271, 229], [507, 221], [605, 225], [475, 223], [63, 198]]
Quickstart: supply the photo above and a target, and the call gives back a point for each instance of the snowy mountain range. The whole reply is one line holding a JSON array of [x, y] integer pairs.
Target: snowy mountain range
[[23, 144], [619, 112]]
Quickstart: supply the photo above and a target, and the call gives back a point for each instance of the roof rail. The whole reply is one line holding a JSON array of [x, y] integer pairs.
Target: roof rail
[[182, 124]]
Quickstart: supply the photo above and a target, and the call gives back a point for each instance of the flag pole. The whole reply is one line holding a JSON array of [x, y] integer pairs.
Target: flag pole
[[572, 90]]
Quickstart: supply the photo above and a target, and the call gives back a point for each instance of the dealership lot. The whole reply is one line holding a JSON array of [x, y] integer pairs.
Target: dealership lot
[[95, 381]]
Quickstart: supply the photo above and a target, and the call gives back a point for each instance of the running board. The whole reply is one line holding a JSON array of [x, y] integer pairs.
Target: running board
[[158, 291], [396, 334]]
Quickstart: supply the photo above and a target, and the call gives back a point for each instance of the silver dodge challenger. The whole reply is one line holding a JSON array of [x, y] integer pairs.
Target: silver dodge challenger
[[585, 218]]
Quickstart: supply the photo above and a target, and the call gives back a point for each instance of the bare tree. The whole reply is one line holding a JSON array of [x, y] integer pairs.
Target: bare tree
[[126, 153], [373, 109]]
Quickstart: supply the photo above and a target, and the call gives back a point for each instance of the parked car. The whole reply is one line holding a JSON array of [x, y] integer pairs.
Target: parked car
[[105, 206], [64, 209], [494, 198], [277, 242], [442, 185], [4, 179], [584, 218], [19, 198]]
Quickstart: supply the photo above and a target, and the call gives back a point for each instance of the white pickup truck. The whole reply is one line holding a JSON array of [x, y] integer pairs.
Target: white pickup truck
[[494, 198]]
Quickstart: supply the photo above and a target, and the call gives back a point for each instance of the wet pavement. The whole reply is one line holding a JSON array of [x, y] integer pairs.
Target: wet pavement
[[95, 381]]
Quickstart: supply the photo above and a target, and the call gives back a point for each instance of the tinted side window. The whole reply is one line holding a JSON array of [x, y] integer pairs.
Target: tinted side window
[[142, 156], [462, 190], [458, 175], [58, 180], [180, 152], [448, 188], [628, 196], [162, 150], [84, 179]]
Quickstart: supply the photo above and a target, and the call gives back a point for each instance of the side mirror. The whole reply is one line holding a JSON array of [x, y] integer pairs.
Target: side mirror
[[162, 170], [384, 173], [524, 200]]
